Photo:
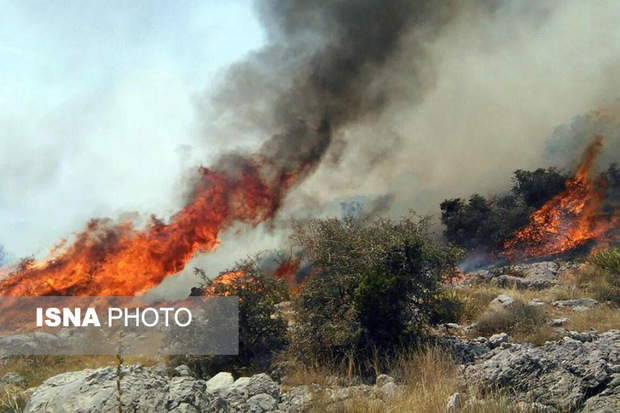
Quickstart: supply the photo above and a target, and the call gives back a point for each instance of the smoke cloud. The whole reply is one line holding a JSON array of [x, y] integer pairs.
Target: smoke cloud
[[418, 101]]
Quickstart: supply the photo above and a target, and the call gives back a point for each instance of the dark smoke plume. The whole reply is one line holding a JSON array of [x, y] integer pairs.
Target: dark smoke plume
[[321, 71]]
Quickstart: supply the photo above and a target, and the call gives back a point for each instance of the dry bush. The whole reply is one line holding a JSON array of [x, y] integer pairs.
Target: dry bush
[[516, 319], [12, 400], [432, 377], [600, 318], [598, 283]]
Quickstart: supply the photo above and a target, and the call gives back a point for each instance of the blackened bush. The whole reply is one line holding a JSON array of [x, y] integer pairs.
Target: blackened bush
[[375, 283]]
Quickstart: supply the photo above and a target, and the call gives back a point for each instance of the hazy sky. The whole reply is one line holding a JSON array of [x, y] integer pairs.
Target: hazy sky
[[97, 107]]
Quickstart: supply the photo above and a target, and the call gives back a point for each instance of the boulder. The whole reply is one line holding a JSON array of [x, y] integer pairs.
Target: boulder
[[497, 340], [261, 403], [455, 403], [220, 381], [383, 379], [94, 391], [561, 375], [502, 301], [577, 304], [182, 370], [148, 390]]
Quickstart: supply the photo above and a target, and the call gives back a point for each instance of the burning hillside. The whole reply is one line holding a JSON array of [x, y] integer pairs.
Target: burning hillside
[[570, 219], [546, 212]]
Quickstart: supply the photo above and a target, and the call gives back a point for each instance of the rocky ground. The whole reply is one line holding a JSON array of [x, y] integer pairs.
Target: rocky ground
[[578, 371]]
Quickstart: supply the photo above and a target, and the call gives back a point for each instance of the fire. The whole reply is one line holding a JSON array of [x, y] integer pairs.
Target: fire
[[226, 278], [117, 259], [287, 270], [568, 220]]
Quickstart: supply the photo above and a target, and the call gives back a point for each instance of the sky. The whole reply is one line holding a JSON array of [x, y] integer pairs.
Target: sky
[[97, 107]]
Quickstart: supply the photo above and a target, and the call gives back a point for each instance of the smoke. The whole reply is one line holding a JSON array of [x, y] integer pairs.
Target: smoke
[[324, 69], [419, 101], [402, 104]]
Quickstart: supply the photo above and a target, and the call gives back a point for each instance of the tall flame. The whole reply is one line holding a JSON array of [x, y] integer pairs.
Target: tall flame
[[568, 220], [110, 259]]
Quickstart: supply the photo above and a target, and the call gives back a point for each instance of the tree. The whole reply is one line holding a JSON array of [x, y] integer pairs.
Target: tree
[[486, 223], [539, 186], [375, 280]]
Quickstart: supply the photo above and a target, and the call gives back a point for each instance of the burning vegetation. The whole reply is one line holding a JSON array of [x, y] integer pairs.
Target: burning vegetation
[[118, 260], [570, 219], [546, 213]]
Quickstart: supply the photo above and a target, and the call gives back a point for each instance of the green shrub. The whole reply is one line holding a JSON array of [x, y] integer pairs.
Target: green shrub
[[609, 261], [262, 330], [377, 284]]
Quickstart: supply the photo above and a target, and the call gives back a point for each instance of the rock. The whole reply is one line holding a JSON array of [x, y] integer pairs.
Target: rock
[[540, 271], [391, 391], [142, 390], [502, 301], [262, 383], [45, 338], [510, 281], [17, 344], [497, 340], [535, 407], [536, 303], [241, 382], [261, 403], [185, 390], [558, 322], [182, 370], [12, 379], [298, 398], [561, 375], [464, 351], [586, 336], [455, 403], [471, 327], [577, 304], [185, 408], [220, 381], [383, 379], [94, 391]]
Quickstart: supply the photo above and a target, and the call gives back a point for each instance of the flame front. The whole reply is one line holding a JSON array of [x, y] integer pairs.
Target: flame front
[[118, 260], [568, 220]]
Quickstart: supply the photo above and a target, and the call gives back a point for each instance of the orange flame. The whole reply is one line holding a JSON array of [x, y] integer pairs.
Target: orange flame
[[226, 278], [110, 259], [568, 220]]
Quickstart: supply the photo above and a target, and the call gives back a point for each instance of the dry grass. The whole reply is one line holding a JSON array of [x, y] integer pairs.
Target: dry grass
[[300, 375], [431, 378], [601, 318], [12, 400]]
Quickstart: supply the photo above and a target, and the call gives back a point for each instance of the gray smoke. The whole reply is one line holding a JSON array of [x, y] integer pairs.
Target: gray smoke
[[324, 69]]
